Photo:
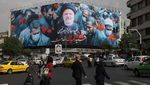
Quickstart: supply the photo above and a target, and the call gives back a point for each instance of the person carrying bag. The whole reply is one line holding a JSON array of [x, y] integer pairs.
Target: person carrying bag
[[46, 72]]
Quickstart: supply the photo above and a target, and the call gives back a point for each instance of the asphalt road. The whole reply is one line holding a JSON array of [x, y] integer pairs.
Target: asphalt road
[[63, 76]]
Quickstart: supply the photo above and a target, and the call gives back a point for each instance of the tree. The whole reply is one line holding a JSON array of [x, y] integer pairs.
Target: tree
[[146, 47], [128, 42], [13, 47]]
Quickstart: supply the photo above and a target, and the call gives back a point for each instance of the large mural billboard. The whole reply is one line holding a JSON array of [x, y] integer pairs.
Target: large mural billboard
[[71, 24]]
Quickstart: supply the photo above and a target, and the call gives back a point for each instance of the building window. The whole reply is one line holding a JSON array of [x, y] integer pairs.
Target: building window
[[147, 17], [140, 5], [140, 20], [134, 8], [133, 22], [147, 31], [147, 2]]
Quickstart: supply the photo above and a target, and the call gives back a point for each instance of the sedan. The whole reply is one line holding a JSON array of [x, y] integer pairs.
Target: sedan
[[68, 62], [13, 66]]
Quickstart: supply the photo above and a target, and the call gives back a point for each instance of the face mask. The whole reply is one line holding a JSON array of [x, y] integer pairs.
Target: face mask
[[108, 32], [35, 37], [84, 19]]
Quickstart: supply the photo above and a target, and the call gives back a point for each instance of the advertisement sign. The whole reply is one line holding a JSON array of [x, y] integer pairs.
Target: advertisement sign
[[71, 24]]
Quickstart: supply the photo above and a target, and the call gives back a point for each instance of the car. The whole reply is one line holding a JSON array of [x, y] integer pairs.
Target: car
[[68, 62], [58, 61], [24, 61], [13, 66], [142, 68], [113, 60], [37, 61], [132, 62]]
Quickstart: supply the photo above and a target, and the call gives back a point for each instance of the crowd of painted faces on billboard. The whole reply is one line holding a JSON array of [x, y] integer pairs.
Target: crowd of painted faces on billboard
[[72, 24]]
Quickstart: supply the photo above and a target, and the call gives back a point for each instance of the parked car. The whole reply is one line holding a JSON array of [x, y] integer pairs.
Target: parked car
[[132, 62], [13, 66], [142, 68], [113, 60]]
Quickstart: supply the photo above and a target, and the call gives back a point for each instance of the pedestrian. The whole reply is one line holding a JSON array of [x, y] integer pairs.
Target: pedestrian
[[45, 80], [100, 74], [90, 61], [40, 65], [29, 80], [78, 70]]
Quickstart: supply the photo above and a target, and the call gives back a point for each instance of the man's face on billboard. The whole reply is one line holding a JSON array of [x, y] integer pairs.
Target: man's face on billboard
[[108, 30], [68, 17], [35, 34], [90, 28]]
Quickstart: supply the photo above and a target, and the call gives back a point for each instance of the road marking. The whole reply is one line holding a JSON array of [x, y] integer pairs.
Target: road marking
[[137, 82], [107, 83], [91, 84], [122, 83], [3, 84], [86, 84]]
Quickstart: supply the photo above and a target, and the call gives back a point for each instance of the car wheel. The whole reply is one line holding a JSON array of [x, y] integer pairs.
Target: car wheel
[[9, 71], [125, 67], [136, 73], [27, 69]]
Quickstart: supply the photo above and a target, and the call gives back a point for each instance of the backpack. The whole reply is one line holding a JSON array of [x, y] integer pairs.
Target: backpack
[[44, 71]]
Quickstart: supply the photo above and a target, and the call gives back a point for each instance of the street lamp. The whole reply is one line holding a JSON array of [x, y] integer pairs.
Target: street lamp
[[140, 37]]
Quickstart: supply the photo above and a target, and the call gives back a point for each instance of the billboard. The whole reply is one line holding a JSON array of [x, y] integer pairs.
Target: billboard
[[69, 24]]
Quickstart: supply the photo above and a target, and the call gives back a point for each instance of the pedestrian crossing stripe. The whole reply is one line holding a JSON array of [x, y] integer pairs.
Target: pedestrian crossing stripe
[[86, 84], [91, 84], [137, 82], [130, 82], [107, 84], [122, 83]]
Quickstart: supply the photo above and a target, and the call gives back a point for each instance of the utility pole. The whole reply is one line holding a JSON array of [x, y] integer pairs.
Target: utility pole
[[140, 38]]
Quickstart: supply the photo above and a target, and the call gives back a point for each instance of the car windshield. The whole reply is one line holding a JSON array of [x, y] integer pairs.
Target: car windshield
[[4, 63]]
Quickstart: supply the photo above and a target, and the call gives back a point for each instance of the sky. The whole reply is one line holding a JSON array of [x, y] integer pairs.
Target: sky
[[7, 5]]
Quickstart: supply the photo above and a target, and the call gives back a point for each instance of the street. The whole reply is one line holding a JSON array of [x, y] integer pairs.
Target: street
[[63, 76]]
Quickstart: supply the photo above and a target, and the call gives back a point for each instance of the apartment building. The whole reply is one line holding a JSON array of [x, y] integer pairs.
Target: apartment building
[[140, 19], [3, 35]]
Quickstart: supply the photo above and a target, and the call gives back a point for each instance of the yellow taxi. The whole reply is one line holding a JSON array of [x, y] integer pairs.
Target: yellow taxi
[[13, 66], [68, 62]]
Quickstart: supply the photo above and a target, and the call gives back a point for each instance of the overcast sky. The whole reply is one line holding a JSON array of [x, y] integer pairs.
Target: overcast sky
[[6, 5]]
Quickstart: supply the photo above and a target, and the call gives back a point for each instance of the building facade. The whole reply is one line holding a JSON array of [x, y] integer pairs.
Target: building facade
[[3, 35], [140, 19]]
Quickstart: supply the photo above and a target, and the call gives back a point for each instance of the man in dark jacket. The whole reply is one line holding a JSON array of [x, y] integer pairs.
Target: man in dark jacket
[[78, 70]]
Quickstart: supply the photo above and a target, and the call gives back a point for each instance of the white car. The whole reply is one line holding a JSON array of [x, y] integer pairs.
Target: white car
[[113, 60], [134, 61], [57, 61], [37, 61], [24, 61]]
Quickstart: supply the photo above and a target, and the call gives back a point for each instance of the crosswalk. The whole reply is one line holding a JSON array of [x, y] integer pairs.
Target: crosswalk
[[129, 82]]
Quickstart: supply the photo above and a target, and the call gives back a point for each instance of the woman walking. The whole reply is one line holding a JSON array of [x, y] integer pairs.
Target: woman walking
[[45, 80], [100, 74]]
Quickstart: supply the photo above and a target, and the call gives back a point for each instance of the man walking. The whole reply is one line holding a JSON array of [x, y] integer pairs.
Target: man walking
[[78, 70]]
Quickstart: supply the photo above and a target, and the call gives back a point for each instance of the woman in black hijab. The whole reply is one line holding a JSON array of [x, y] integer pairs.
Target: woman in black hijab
[[100, 74]]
